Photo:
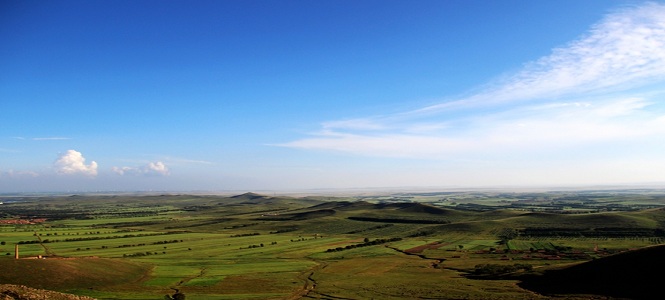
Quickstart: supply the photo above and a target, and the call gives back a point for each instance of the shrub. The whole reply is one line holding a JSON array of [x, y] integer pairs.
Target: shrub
[[494, 269]]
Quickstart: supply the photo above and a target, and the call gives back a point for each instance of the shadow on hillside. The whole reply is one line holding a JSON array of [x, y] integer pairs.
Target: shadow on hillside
[[633, 275]]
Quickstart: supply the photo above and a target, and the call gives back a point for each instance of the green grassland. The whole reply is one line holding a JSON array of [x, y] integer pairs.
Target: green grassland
[[254, 246]]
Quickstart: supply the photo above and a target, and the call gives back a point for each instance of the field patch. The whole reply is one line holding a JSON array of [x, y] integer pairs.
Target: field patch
[[262, 247], [419, 249], [64, 274]]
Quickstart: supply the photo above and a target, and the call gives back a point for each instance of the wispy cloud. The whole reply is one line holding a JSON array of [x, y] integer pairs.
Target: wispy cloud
[[170, 160], [601, 88], [72, 162], [18, 174], [50, 138], [151, 169], [180, 160], [624, 50], [54, 138], [355, 124]]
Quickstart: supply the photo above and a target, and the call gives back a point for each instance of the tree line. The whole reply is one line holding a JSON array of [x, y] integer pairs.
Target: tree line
[[365, 243]]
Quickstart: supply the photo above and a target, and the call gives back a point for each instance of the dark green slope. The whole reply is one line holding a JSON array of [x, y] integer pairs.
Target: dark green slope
[[257, 199], [636, 274]]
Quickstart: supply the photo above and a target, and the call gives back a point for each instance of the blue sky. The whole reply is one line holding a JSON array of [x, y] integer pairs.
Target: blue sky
[[290, 95]]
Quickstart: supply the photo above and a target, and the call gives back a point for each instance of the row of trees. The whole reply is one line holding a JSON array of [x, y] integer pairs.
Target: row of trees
[[365, 243], [257, 246], [245, 234], [94, 238], [139, 254]]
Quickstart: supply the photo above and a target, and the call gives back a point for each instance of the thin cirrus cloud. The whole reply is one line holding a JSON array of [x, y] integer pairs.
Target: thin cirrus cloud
[[601, 88], [72, 162], [18, 174], [151, 169], [624, 50], [50, 138]]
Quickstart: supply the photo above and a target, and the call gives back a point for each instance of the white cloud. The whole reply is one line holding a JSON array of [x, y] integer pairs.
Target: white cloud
[[522, 129], [122, 170], [601, 89], [621, 108], [73, 162], [624, 50], [151, 169], [18, 174], [158, 168]]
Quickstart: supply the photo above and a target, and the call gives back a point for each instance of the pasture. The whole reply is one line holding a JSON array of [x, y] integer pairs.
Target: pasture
[[260, 247]]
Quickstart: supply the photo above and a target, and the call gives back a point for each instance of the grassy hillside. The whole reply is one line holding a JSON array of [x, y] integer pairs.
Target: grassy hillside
[[632, 275], [253, 246], [71, 274]]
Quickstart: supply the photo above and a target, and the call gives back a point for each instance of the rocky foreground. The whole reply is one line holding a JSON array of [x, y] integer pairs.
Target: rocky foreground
[[21, 292]]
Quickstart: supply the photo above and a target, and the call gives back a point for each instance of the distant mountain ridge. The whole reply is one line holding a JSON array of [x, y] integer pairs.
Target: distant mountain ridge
[[249, 196]]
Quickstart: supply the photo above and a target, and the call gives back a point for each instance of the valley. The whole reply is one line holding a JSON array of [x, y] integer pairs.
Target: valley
[[452, 245]]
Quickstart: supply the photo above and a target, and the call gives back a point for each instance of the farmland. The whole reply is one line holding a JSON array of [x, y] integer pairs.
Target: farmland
[[250, 246]]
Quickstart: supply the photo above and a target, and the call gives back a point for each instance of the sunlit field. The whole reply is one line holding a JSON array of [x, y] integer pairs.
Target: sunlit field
[[260, 247]]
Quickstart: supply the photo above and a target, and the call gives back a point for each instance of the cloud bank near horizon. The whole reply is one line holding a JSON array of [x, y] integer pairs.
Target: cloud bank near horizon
[[603, 89], [151, 169], [72, 162]]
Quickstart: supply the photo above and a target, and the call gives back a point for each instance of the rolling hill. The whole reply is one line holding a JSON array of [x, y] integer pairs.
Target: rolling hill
[[632, 274], [61, 274]]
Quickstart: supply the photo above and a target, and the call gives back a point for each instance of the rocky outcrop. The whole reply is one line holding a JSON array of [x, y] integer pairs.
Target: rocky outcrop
[[21, 292]]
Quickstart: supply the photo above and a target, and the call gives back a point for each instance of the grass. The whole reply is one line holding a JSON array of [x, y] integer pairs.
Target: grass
[[69, 274], [392, 275], [224, 249]]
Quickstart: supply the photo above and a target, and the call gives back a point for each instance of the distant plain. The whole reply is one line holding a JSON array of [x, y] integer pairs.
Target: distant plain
[[433, 245]]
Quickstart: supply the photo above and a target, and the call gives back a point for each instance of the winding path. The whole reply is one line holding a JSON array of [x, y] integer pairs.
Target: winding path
[[188, 279], [309, 283], [435, 264]]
